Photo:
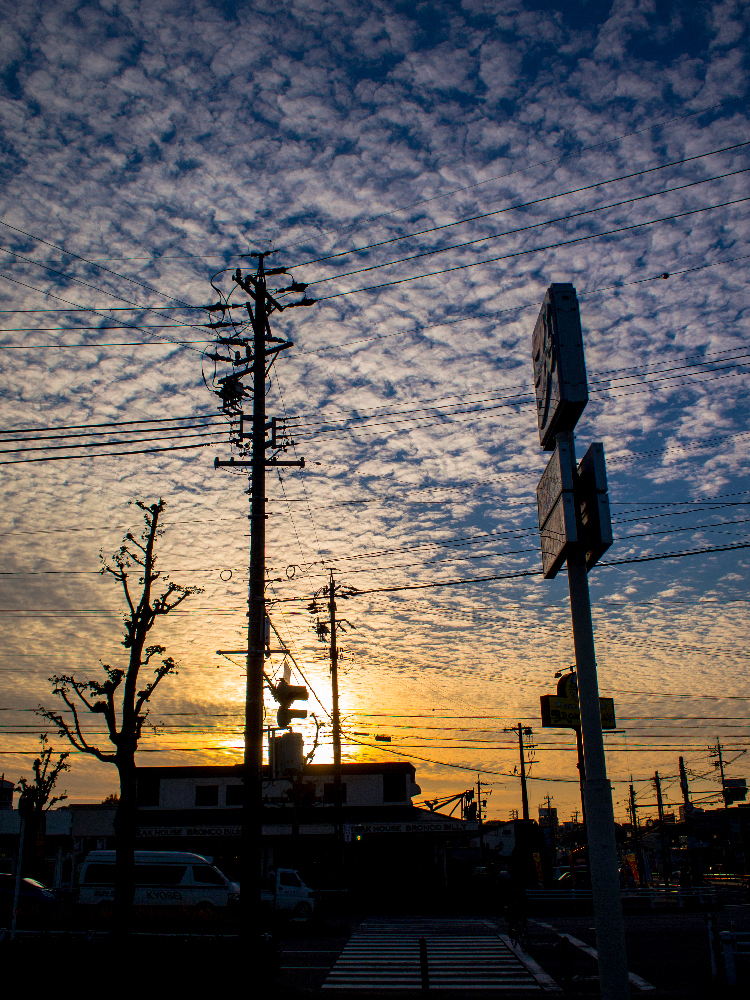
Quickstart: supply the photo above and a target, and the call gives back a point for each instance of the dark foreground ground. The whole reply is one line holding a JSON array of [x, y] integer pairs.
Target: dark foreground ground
[[669, 952]]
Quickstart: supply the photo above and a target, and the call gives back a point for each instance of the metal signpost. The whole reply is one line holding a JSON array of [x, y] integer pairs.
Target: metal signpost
[[575, 527], [561, 711]]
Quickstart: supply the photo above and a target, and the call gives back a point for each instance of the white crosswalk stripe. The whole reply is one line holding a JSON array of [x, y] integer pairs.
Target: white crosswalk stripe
[[385, 956]]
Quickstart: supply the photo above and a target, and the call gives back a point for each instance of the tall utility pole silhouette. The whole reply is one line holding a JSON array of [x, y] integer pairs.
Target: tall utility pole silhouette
[[522, 731], [720, 764], [479, 817], [688, 811], [665, 849], [328, 632], [636, 832], [260, 352], [336, 716]]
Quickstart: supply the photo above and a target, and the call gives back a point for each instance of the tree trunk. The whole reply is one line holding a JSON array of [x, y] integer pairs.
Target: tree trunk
[[125, 829]]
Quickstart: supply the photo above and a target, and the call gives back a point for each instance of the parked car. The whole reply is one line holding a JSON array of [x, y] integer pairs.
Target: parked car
[[35, 901], [162, 878]]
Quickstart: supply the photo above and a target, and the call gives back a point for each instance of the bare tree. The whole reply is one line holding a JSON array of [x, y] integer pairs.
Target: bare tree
[[138, 558], [39, 796]]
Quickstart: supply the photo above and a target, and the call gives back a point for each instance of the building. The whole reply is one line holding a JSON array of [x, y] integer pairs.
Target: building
[[6, 794], [387, 840]]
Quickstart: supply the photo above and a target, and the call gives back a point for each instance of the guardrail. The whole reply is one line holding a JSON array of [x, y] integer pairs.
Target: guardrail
[[704, 897], [736, 946]]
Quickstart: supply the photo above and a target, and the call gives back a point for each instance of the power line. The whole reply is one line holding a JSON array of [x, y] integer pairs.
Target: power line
[[527, 204], [549, 246], [699, 366], [101, 444], [332, 347], [510, 173], [38, 239], [107, 454], [612, 374], [115, 423], [528, 228], [525, 573], [109, 309], [99, 311]]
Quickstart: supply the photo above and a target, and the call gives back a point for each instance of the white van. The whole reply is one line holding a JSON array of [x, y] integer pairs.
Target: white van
[[162, 878]]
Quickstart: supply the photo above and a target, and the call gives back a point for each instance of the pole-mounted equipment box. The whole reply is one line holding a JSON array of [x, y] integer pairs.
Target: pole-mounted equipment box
[[559, 366]]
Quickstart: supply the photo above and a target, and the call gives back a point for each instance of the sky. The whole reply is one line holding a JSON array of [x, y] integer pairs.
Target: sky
[[428, 169]]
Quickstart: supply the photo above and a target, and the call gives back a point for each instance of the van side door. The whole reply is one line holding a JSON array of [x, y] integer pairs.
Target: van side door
[[290, 889], [210, 886]]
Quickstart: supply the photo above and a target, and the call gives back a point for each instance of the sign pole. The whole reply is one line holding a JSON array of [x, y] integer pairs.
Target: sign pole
[[575, 527], [600, 820]]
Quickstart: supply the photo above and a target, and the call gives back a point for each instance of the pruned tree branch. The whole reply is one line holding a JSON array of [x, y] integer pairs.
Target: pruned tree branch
[[100, 697]]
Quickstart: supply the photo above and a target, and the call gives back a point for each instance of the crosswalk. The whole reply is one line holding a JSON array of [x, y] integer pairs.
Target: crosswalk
[[461, 955]]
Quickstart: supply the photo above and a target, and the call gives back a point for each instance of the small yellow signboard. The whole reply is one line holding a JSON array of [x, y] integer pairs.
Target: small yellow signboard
[[562, 713]]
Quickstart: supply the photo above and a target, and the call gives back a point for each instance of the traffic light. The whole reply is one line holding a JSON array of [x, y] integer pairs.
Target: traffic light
[[735, 790], [286, 693]]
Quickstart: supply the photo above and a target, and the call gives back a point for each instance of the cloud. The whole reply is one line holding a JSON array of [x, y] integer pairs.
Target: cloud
[[162, 140]]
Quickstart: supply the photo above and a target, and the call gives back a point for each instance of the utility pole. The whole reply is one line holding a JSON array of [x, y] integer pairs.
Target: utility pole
[[479, 817], [552, 844], [684, 788], [665, 848], [721, 772], [521, 730], [336, 717], [636, 832], [689, 825], [260, 352], [252, 819], [328, 632]]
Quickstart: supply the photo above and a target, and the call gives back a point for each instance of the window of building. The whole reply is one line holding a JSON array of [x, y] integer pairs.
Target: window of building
[[234, 795], [147, 790], [394, 787], [207, 795], [207, 875], [328, 791]]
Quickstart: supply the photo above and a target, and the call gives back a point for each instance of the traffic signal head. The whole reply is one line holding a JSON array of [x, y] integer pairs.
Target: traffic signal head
[[285, 694]]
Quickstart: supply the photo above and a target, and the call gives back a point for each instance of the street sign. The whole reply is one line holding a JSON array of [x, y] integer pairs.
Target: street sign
[[593, 504], [559, 366], [556, 510], [563, 713], [573, 508]]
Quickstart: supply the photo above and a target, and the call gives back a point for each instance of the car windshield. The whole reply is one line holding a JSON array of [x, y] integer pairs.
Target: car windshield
[[33, 882]]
